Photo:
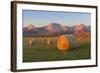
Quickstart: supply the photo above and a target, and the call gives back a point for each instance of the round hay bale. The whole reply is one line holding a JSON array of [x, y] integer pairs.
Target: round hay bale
[[65, 42], [31, 41], [62, 43], [48, 40]]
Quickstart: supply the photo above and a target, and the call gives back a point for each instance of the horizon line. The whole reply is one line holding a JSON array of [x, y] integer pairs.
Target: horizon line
[[56, 23]]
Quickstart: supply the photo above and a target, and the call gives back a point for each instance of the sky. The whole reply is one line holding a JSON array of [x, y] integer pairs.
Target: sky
[[43, 18]]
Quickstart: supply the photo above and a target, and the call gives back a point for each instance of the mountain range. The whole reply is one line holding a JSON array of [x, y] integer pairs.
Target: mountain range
[[52, 29]]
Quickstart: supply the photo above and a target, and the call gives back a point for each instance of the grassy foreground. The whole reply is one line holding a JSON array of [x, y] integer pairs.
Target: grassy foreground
[[43, 52]]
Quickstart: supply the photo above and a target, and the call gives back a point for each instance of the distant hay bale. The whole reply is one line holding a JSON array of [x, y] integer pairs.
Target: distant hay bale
[[31, 41], [48, 40]]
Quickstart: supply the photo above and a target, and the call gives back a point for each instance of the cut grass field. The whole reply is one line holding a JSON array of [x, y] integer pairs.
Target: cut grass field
[[44, 52]]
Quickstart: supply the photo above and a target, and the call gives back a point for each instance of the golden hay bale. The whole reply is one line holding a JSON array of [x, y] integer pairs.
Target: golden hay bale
[[31, 41], [62, 43], [66, 42], [48, 40]]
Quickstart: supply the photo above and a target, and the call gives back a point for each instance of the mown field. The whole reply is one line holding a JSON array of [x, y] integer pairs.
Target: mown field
[[41, 51]]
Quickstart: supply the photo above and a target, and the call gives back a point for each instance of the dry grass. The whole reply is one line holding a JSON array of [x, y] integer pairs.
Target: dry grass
[[41, 51]]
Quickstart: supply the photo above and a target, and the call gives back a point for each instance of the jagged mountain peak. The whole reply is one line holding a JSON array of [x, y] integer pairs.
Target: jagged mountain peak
[[55, 27], [30, 27]]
